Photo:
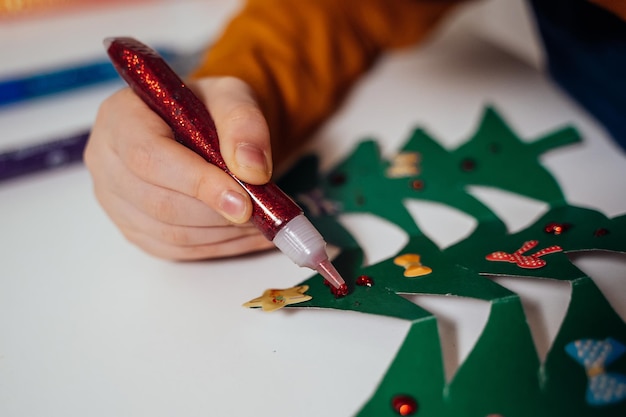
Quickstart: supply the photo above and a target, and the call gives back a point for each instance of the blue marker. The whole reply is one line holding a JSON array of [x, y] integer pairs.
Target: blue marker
[[18, 89], [38, 85], [57, 152]]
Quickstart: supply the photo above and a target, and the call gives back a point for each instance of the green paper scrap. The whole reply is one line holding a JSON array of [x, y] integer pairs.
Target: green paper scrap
[[502, 374]]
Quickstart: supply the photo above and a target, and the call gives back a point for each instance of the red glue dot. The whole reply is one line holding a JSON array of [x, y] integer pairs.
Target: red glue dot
[[601, 232], [364, 281], [342, 291], [404, 405]]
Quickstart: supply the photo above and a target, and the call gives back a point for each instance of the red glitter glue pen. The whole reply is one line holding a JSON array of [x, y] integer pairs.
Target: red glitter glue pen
[[276, 215]]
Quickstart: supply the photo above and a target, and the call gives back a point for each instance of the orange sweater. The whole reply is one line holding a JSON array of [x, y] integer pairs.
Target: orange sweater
[[618, 7], [301, 57]]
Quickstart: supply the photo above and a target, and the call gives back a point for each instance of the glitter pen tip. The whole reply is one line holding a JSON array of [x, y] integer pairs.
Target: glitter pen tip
[[328, 271]]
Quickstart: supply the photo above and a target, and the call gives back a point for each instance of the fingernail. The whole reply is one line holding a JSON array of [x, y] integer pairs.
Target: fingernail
[[233, 205], [252, 157]]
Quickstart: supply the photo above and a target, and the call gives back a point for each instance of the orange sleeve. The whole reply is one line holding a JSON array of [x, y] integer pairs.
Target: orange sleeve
[[301, 57], [617, 7]]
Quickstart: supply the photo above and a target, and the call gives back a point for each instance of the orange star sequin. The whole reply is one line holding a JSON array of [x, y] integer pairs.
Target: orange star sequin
[[273, 299]]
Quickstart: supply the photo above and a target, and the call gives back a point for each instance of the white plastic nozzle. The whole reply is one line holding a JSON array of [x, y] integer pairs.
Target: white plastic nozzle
[[304, 245]]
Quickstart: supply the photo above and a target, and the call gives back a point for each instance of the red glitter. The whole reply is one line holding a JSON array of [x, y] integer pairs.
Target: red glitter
[[556, 228], [166, 94], [404, 405], [364, 281]]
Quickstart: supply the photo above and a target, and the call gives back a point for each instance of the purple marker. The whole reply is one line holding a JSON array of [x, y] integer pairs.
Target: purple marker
[[42, 157]]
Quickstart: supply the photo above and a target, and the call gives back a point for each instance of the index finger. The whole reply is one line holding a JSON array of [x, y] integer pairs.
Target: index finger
[[241, 126]]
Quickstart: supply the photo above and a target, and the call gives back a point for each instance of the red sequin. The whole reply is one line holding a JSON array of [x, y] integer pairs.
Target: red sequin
[[364, 281], [404, 405], [338, 179], [417, 185], [468, 164], [556, 228]]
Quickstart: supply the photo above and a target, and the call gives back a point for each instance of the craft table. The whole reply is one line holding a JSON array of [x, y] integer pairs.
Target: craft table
[[92, 326]]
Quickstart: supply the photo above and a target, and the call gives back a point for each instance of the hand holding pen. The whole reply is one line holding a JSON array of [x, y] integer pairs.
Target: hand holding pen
[[239, 162], [164, 197]]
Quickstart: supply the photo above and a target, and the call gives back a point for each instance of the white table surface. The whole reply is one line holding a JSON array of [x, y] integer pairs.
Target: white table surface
[[92, 326]]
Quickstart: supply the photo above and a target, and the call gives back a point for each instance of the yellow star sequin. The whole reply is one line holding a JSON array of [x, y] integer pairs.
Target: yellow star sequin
[[412, 265], [273, 299]]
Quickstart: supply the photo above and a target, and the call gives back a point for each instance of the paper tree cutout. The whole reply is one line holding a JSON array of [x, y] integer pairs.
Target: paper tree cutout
[[503, 374]]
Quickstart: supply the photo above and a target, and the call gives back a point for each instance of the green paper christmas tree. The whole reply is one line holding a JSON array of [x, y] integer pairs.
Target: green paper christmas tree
[[584, 374]]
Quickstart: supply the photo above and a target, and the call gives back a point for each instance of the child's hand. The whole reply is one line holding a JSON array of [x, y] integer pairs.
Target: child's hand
[[164, 197]]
